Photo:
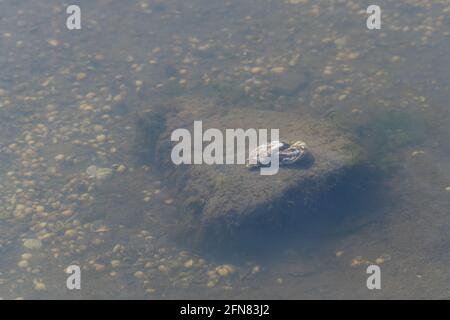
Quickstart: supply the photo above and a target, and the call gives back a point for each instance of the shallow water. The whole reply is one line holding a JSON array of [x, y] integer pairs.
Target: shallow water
[[71, 99]]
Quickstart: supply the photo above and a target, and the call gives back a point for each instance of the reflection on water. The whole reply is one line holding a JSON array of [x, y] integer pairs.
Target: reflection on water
[[73, 189]]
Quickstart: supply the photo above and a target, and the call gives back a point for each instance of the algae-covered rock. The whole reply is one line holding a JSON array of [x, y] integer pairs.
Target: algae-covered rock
[[222, 201]]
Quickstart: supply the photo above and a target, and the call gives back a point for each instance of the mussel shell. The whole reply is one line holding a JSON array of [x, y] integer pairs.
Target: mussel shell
[[288, 153]]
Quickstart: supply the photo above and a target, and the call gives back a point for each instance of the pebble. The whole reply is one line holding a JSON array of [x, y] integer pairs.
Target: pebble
[[99, 267], [328, 70], [225, 270], [26, 256], [256, 70], [86, 107], [23, 264], [70, 233], [357, 261], [139, 275], [115, 263], [40, 209], [256, 269], [53, 42], [118, 248], [98, 128], [339, 253], [100, 138], [32, 244], [163, 269], [39, 285], [417, 153], [60, 157], [278, 70], [80, 76], [188, 264], [121, 169], [67, 213]]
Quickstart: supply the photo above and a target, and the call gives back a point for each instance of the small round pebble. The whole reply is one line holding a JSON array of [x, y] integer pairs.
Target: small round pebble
[[32, 244]]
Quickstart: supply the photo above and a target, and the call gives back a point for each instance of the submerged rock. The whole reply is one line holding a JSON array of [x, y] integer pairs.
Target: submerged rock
[[221, 202], [289, 83]]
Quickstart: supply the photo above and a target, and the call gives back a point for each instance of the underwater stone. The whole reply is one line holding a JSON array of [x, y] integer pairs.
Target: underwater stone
[[220, 202]]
